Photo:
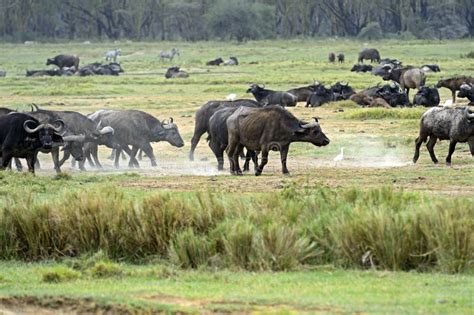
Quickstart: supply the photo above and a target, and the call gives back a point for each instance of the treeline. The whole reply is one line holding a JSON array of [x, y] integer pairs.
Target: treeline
[[191, 20]]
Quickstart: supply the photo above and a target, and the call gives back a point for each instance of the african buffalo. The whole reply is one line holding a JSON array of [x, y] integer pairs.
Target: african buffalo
[[304, 93], [215, 62], [361, 68], [340, 57], [139, 129], [64, 61], [320, 96], [427, 96], [408, 78], [269, 128], [341, 91], [467, 90], [176, 72], [22, 136], [218, 136], [454, 84], [453, 124], [232, 61], [369, 53], [204, 113], [332, 57], [270, 97], [430, 68]]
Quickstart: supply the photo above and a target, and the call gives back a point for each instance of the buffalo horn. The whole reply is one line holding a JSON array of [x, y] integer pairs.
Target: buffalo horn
[[468, 114], [171, 120], [106, 130], [312, 124], [58, 128], [28, 129]]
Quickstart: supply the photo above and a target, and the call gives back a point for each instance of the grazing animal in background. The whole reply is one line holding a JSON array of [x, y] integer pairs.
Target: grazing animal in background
[[269, 128], [390, 61], [176, 72], [341, 91], [454, 84], [138, 129], [361, 99], [453, 124], [332, 57], [430, 68], [64, 61], [169, 54], [339, 157], [467, 91], [218, 136], [215, 62], [204, 113], [22, 136], [232, 61], [97, 68], [408, 78], [361, 68], [112, 55], [391, 93], [3, 73], [304, 93], [340, 57], [320, 96], [369, 53], [270, 97], [427, 96]]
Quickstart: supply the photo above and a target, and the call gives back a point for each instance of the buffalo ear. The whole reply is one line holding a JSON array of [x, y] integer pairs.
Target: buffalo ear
[[300, 131]]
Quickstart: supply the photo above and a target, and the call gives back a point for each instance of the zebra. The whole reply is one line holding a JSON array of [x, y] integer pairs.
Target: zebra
[[113, 54], [169, 54]]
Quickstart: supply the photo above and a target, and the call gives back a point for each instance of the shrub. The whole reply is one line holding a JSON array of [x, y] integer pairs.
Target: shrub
[[189, 250], [60, 274], [383, 113], [106, 269]]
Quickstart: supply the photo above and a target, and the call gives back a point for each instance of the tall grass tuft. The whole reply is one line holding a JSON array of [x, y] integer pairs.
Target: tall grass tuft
[[375, 228]]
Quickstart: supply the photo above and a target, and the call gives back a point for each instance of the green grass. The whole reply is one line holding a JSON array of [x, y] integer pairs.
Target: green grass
[[321, 290]]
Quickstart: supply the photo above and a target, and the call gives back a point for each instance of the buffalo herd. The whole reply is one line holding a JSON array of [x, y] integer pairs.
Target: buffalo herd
[[239, 127]]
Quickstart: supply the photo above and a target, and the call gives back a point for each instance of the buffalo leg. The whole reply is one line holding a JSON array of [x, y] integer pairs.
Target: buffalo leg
[[248, 157], [454, 96], [199, 130], [236, 155], [452, 147], [219, 153], [55, 156], [6, 160], [418, 143], [66, 156], [283, 156], [116, 153], [31, 160], [133, 154], [231, 147], [430, 145], [263, 162], [94, 153], [140, 154], [18, 165], [146, 147]]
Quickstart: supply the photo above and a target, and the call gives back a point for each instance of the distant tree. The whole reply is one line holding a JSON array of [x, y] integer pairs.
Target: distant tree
[[240, 20]]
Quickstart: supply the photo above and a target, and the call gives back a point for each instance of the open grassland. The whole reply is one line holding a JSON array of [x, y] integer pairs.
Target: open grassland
[[183, 236]]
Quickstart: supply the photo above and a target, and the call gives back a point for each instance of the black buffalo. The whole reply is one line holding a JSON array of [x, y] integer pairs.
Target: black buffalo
[[204, 113], [320, 96], [270, 97], [369, 53], [98, 68], [304, 93], [22, 136], [269, 128], [430, 68], [427, 96], [361, 68], [453, 124], [341, 91], [467, 91], [139, 129], [64, 61], [215, 62]]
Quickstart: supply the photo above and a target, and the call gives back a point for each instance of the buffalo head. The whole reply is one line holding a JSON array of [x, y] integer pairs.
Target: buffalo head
[[170, 133], [47, 134], [312, 132]]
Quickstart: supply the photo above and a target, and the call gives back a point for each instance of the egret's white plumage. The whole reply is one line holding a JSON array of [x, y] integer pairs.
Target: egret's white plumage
[[339, 157], [231, 97]]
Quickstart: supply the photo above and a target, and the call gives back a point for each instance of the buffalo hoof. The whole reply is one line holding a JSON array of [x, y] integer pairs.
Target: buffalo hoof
[[435, 162], [286, 173], [448, 163], [258, 172]]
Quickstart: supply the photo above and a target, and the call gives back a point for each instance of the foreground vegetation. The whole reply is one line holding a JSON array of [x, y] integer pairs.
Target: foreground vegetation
[[377, 228]]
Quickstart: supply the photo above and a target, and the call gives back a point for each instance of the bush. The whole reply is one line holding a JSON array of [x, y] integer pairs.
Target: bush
[[374, 228], [60, 274], [384, 113]]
